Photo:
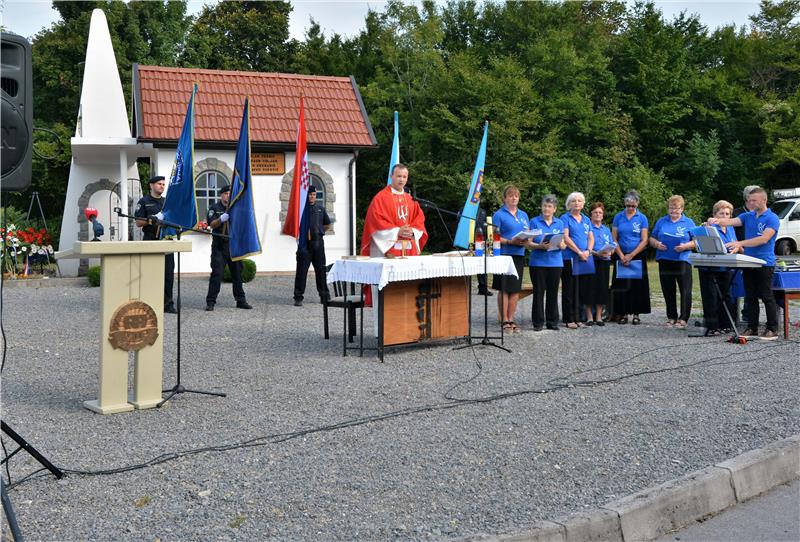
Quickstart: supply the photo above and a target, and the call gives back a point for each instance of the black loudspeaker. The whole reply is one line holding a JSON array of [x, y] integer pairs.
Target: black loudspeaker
[[16, 118]]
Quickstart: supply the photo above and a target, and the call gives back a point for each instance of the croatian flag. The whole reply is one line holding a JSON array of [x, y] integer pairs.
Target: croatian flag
[[395, 158], [466, 223], [300, 180], [180, 206]]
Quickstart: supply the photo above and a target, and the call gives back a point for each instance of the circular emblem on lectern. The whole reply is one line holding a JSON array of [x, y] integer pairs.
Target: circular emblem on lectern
[[134, 325]]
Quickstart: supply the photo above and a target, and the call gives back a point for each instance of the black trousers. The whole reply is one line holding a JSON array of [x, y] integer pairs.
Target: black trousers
[[313, 254], [713, 305], [220, 257], [545, 283], [674, 276], [169, 278], [758, 285], [574, 293]]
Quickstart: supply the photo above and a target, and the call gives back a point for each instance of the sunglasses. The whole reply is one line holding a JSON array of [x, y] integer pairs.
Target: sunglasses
[[630, 205]]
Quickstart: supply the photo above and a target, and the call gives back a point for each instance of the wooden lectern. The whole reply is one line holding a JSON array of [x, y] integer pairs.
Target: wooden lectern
[[131, 319]]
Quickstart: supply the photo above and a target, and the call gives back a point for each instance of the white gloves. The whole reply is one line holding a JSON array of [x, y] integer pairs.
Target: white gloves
[[224, 217], [160, 215]]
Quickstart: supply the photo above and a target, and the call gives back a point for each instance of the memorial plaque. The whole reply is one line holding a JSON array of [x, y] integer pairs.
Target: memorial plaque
[[134, 325], [268, 163]]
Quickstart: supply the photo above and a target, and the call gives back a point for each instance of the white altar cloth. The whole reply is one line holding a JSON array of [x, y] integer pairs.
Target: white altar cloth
[[382, 271]]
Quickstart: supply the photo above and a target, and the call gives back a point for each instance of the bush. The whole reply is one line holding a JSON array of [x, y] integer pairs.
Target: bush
[[248, 271], [93, 274]]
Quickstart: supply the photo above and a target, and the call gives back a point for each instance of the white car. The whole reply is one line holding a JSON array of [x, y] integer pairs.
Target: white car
[[787, 207]]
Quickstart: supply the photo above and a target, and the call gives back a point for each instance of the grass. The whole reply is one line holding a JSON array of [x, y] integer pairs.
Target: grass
[[656, 295]]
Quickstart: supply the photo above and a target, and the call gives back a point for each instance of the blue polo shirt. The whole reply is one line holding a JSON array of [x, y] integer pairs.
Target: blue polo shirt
[[755, 226], [629, 231], [541, 257], [602, 237], [578, 232], [510, 225], [672, 234]]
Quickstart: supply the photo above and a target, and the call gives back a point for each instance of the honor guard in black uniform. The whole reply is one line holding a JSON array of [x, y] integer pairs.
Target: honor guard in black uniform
[[147, 207], [314, 251], [221, 255]]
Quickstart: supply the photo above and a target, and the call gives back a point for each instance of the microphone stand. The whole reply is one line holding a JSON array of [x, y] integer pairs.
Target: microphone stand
[[486, 339], [178, 387]]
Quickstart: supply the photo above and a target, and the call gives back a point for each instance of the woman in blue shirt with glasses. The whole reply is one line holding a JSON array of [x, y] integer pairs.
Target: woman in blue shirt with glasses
[[546, 264], [630, 296], [673, 244]]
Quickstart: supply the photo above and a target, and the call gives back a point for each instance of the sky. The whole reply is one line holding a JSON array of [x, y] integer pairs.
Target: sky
[[28, 17]]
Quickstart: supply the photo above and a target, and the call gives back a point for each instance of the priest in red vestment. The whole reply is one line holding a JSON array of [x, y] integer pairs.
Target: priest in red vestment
[[395, 223]]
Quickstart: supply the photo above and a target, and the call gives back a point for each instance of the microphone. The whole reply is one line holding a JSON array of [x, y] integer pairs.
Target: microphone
[[424, 203], [118, 210]]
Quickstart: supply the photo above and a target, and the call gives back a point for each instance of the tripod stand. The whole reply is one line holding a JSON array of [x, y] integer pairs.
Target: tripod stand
[[485, 340], [8, 509], [35, 198], [178, 388]]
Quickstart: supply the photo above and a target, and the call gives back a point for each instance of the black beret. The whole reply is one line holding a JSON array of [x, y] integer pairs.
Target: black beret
[[226, 188], [156, 179]]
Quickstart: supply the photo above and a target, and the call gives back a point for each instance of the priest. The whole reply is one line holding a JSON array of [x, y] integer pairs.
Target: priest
[[395, 224]]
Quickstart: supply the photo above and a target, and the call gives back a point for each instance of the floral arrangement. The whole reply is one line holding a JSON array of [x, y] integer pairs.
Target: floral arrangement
[[23, 248]]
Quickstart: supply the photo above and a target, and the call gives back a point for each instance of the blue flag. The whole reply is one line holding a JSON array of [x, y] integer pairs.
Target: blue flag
[[180, 205], [473, 197], [243, 230], [395, 149]]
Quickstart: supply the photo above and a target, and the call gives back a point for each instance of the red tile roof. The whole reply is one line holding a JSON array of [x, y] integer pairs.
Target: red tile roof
[[334, 111]]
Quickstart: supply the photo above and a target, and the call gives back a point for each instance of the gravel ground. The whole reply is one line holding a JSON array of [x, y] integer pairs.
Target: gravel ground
[[440, 468]]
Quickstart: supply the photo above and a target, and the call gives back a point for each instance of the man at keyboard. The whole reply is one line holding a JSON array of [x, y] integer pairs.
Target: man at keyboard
[[760, 229]]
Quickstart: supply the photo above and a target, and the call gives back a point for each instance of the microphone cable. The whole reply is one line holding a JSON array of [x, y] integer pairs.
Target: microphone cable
[[552, 387]]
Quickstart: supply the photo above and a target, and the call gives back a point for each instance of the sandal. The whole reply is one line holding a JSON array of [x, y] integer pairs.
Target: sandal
[[636, 321], [680, 324], [623, 320], [515, 328], [508, 326], [572, 325], [581, 324], [670, 323]]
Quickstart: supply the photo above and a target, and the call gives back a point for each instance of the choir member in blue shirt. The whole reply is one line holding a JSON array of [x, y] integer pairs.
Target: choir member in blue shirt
[[629, 229], [760, 230], [545, 265], [673, 244], [598, 293], [509, 220], [580, 241], [715, 318]]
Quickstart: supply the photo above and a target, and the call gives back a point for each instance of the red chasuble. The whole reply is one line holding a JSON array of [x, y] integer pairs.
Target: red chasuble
[[389, 210]]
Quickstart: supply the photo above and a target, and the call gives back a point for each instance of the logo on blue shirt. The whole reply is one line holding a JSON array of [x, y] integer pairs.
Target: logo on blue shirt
[[636, 227]]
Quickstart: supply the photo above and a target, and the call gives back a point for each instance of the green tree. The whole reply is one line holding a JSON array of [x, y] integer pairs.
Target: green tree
[[248, 35], [146, 32]]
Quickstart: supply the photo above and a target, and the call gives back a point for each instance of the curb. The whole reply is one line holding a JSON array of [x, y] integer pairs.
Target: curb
[[67, 282], [653, 512]]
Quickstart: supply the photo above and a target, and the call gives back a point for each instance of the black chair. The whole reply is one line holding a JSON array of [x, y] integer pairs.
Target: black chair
[[346, 296]]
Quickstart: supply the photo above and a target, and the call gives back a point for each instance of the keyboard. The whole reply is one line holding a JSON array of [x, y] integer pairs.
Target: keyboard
[[724, 260]]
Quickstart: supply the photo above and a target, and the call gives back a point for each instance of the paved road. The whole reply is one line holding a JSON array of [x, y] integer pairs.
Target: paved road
[[771, 517]]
